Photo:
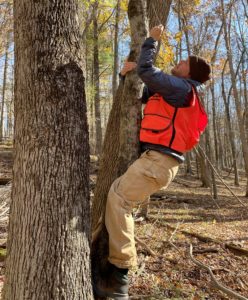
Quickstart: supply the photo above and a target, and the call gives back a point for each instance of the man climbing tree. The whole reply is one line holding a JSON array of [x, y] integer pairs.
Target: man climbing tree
[[173, 121]]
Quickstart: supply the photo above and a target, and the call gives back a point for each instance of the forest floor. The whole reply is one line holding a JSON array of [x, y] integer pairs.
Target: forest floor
[[183, 214]]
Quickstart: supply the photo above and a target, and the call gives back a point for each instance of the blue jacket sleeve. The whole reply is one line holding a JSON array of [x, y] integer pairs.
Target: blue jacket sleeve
[[173, 89]]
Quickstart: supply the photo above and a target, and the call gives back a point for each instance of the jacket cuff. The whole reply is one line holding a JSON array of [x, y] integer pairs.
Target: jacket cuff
[[150, 41]]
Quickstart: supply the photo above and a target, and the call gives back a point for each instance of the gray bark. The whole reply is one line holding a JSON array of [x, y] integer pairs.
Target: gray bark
[[49, 227], [131, 105]]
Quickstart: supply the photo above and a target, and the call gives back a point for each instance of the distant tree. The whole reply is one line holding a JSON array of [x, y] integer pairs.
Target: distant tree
[[5, 70], [244, 144], [116, 48], [98, 126]]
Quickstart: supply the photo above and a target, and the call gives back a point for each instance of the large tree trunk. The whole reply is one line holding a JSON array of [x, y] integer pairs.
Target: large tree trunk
[[48, 243]]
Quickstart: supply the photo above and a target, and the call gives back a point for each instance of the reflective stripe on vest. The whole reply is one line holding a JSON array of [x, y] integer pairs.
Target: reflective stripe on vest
[[176, 128]]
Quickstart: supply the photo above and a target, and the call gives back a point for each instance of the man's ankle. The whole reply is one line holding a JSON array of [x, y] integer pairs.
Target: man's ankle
[[123, 271]]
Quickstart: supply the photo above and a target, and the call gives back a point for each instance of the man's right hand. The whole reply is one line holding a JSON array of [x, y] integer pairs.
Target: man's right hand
[[156, 32], [128, 66]]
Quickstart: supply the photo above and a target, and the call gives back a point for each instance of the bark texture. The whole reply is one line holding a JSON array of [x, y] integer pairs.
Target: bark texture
[[158, 12], [130, 115], [48, 245]]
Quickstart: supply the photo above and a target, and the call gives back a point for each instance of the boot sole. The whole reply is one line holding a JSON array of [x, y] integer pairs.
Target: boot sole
[[114, 296]]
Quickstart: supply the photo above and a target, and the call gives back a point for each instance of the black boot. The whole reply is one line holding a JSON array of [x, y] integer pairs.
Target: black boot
[[114, 285]]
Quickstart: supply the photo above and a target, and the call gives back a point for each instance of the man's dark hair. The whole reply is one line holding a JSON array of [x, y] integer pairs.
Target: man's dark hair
[[199, 69]]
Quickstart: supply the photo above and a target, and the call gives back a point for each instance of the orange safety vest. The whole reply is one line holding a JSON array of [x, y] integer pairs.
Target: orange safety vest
[[178, 128]]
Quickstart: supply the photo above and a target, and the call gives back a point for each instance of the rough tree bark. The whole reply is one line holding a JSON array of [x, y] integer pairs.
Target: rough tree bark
[[48, 242]]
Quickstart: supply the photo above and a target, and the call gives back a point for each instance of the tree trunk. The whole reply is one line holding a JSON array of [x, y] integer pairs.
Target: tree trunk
[[230, 132], [204, 174], [244, 143], [98, 126], [4, 89], [109, 171], [188, 167], [116, 49], [112, 162], [130, 116], [158, 12], [211, 158], [49, 229]]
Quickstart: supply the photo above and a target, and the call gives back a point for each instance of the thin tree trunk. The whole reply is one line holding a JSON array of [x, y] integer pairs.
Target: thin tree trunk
[[229, 125], [245, 97], [116, 48], [49, 227], [216, 156], [204, 170], [4, 89], [98, 126]]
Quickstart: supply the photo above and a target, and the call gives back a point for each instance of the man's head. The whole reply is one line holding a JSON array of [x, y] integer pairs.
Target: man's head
[[194, 67]]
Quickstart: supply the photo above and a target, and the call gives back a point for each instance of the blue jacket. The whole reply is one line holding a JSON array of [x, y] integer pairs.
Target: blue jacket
[[175, 90]]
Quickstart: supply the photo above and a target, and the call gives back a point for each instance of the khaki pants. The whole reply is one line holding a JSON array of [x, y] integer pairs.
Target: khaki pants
[[152, 171]]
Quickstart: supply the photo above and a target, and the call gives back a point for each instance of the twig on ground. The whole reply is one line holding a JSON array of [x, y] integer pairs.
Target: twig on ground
[[149, 250], [207, 250], [218, 285]]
